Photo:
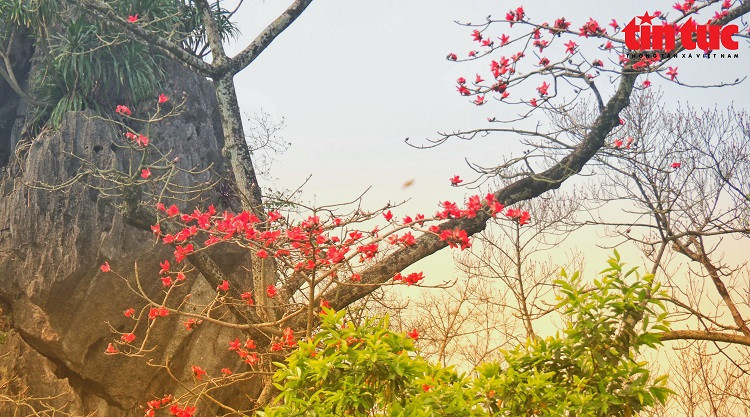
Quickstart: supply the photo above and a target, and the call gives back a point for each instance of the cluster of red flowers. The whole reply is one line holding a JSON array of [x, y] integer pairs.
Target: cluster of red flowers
[[685, 7], [156, 404], [515, 15], [410, 279], [592, 28], [522, 217], [243, 350]]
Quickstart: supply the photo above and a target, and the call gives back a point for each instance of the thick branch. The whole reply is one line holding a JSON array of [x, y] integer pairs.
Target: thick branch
[[261, 42], [524, 189], [705, 335]]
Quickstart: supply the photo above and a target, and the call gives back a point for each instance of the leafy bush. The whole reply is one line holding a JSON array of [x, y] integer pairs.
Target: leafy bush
[[591, 370], [91, 64]]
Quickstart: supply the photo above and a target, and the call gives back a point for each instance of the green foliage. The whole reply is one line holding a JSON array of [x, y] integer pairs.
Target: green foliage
[[591, 370], [91, 64]]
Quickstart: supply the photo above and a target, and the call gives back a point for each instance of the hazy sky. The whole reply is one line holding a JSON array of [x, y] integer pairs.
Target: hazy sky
[[354, 78]]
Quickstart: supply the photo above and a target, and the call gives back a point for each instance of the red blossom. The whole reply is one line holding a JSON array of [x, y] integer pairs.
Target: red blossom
[[133, 18], [676, 165], [166, 281], [145, 173], [224, 286], [561, 24], [413, 333], [164, 266], [235, 345], [198, 372], [456, 238], [105, 267], [123, 110], [356, 278], [248, 297], [451, 57], [142, 140], [479, 100], [182, 251], [129, 312], [456, 180], [271, 291], [617, 143], [111, 349], [410, 279], [128, 337], [570, 47], [542, 89], [672, 73], [163, 98]]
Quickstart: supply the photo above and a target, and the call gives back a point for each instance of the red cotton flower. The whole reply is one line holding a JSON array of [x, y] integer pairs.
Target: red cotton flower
[[542, 89], [676, 165], [271, 291], [145, 173], [111, 349], [414, 334], [451, 57], [617, 143], [123, 110], [426, 387], [570, 47], [164, 266], [533, 102], [142, 140], [646, 83], [129, 312], [479, 100], [224, 286], [163, 98], [105, 267], [235, 345], [226, 371], [248, 297], [133, 18], [128, 337], [198, 372], [672, 73], [456, 180]]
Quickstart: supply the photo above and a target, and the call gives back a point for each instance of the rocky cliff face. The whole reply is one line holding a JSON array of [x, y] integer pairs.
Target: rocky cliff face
[[57, 306]]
